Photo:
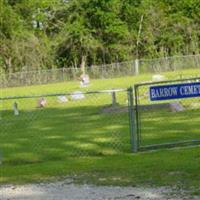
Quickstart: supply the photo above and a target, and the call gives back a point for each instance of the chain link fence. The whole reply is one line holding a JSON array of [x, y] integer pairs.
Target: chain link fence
[[52, 127], [169, 64], [113, 70], [166, 123], [66, 74]]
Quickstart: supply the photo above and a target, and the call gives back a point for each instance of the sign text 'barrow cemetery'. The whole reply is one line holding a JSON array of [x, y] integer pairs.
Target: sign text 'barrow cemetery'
[[175, 91]]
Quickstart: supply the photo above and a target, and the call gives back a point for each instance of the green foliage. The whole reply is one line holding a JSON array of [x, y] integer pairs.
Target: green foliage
[[88, 32], [11, 23]]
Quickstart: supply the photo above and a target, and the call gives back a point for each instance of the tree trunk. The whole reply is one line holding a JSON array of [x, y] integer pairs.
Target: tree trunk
[[8, 62]]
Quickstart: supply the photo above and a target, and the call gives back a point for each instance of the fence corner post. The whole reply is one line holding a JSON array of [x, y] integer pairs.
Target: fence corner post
[[133, 137]]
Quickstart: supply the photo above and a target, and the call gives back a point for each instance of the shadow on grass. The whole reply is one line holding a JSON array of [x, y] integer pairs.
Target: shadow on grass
[[89, 146], [53, 134], [164, 127]]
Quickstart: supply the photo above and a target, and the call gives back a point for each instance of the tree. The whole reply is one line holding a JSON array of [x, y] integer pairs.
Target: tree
[[83, 33], [77, 44], [20, 49]]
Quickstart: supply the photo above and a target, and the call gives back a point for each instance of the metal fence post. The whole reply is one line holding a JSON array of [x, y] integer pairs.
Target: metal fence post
[[132, 121], [137, 67], [114, 100], [63, 78]]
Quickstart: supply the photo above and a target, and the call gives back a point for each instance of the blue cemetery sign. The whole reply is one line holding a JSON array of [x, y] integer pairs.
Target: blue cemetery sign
[[175, 91]]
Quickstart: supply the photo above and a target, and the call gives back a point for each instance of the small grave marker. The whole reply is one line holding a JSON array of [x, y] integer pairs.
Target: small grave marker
[[62, 99], [77, 95], [42, 102], [85, 80], [15, 108]]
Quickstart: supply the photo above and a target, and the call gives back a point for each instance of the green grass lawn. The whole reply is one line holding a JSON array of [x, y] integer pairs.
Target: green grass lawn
[[99, 84], [165, 127], [78, 140]]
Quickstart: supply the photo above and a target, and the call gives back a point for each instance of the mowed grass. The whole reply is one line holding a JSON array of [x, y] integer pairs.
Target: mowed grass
[[100, 84], [159, 127], [78, 140]]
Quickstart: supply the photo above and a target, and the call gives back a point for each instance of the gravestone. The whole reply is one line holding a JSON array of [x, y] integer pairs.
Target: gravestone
[[158, 77], [62, 99], [85, 80], [77, 95], [176, 107], [42, 102], [15, 108]]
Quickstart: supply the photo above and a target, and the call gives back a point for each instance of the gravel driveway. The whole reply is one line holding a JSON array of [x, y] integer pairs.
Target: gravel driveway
[[68, 191]]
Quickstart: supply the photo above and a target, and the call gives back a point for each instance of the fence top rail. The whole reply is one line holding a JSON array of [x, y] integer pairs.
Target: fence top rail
[[62, 94], [166, 81], [169, 57], [101, 66]]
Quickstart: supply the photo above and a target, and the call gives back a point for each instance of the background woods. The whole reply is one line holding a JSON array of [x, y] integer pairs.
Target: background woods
[[44, 34]]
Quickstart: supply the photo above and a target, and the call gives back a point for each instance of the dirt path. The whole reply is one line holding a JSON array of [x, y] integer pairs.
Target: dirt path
[[68, 191]]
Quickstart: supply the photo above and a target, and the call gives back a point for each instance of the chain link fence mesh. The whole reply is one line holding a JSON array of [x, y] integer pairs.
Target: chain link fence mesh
[[166, 64], [166, 123], [130, 68], [53, 127]]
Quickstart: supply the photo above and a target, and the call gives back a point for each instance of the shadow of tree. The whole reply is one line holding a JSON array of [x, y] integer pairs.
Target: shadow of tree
[[53, 134], [163, 126]]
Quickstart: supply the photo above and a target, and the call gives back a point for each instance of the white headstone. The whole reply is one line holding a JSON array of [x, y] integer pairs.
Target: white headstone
[[85, 80], [62, 99], [176, 107], [158, 77], [42, 102], [77, 95]]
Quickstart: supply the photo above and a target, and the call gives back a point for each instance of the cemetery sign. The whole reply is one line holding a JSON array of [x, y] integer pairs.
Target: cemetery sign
[[174, 91]]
